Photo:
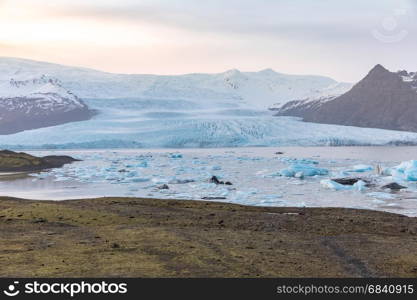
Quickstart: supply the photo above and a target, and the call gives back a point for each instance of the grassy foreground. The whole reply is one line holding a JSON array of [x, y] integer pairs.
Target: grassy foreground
[[131, 237]]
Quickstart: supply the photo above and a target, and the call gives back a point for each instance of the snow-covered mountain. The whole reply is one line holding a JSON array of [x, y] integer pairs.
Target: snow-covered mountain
[[320, 96], [383, 99], [150, 111], [28, 103], [249, 89]]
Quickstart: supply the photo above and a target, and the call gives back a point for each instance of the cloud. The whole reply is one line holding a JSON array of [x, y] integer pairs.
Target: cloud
[[300, 20], [314, 36]]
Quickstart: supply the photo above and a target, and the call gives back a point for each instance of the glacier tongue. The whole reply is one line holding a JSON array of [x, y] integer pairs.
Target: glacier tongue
[[138, 123]]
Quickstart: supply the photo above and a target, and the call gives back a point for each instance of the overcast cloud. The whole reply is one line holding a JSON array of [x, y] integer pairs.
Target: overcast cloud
[[341, 39]]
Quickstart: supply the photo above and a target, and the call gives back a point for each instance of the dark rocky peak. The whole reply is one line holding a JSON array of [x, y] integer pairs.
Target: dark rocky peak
[[383, 99], [378, 72], [379, 78]]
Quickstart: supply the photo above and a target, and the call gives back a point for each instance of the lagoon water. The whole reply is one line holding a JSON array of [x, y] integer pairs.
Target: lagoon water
[[254, 173]]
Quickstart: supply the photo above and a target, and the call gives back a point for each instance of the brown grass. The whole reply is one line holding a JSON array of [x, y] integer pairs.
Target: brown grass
[[130, 237]]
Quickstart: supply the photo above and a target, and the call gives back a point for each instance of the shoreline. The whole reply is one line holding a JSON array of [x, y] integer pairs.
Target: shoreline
[[136, 237]]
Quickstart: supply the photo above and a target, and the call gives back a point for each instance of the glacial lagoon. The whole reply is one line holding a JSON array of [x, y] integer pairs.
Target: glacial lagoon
[[260, 176]]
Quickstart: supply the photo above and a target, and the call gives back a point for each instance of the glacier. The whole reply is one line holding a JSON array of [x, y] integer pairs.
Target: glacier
[[141, 123], [227, 109]]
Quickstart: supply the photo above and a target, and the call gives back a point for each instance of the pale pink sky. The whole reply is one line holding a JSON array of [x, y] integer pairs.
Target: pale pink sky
[[341, 39]]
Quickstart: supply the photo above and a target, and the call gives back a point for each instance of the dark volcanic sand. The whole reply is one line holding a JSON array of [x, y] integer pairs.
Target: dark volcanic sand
[[131, 237]]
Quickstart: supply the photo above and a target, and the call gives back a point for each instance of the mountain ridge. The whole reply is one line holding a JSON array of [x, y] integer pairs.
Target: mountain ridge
[[38, 102], [260, 89], [382, 99]]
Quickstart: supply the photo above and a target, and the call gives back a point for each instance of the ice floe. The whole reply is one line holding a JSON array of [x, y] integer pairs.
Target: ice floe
[[300, 170], [333, 185], [405, 171]]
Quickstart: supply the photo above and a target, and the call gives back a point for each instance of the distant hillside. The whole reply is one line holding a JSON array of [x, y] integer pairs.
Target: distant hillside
[[383, 99]]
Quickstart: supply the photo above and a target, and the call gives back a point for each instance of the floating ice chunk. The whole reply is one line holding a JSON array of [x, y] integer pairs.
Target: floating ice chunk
[[286, 173], [361, 168], [160, 180], [132, 174], [224, 192], [61, 179], [112, 177], [405, 171], [378, 201], [111, 169], [140, 179], [333, 185], [360, 185], [252, 191], [40, 175], [302, 170], [142, 164], [392, 204], [380, 195], [299, 175]]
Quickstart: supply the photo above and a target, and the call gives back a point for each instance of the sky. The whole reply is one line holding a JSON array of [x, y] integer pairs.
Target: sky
[[340, 39]]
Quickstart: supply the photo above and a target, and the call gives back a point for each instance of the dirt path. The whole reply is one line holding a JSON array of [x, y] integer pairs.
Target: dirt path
[[354, 266]]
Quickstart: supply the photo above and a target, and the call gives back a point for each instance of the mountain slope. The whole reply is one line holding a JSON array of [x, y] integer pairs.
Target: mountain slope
[[249, 89], [37, 102], [383, 99]]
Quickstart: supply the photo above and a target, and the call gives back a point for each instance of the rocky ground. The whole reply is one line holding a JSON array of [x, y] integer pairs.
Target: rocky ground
[[22, 162], [131, 237]]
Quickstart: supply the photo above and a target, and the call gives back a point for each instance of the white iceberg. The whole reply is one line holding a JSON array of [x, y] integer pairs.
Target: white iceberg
[[302, 170]]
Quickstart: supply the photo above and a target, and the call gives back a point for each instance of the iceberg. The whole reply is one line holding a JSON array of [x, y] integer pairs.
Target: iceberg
[[360, 185], [301, 170], [405, 171], [333, 185]]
